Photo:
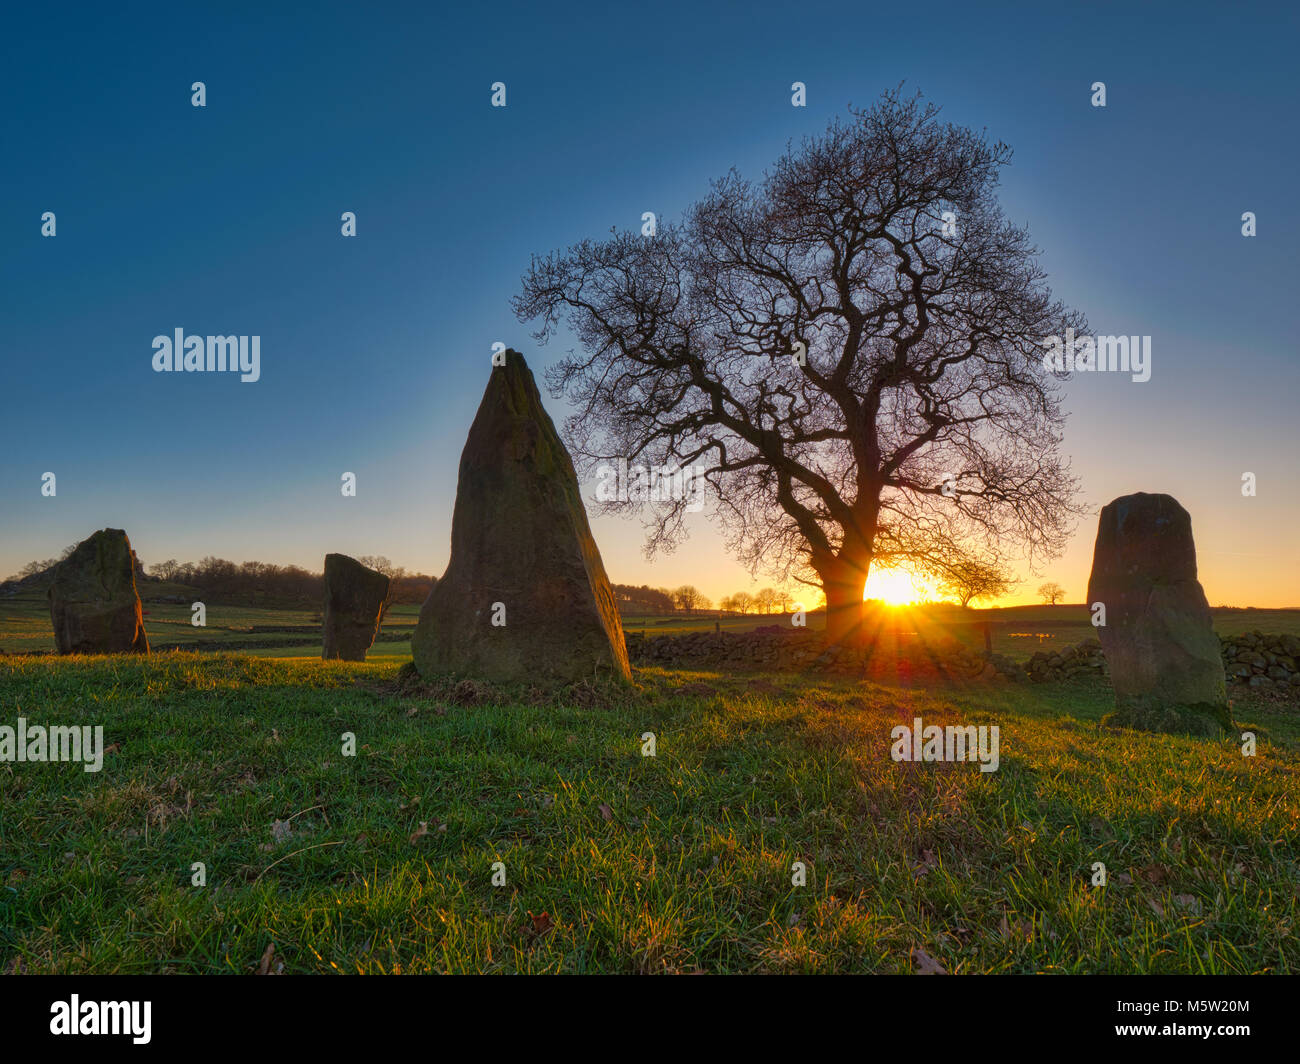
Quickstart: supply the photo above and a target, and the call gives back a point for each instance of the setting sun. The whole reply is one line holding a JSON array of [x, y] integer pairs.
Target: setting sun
[[892, 586]]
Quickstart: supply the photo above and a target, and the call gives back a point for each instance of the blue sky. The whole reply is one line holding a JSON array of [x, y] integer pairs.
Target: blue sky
[[375, 349]]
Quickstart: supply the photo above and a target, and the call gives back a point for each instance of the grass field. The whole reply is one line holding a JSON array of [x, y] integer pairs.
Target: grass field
[[615, 862], [1017, 631], [25, 627]]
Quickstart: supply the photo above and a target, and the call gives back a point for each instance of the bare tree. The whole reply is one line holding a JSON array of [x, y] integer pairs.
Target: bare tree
[[849, 353], [1051, 593], [765, 600], [742, 601], [381, 564], [689, 598], [971, 578]]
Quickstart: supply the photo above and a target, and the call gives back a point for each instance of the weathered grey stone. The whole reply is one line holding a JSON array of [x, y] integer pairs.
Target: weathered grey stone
[[354, 601], [93, 600], [525, 596], [1165, 660]]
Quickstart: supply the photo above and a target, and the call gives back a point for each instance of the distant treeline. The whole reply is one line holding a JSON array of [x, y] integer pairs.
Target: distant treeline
[[255, 583], [689, 599], [227, 583], [643, 599]]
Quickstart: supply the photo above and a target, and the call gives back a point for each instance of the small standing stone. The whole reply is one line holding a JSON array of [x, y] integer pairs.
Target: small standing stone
[[354, 601], [93, 600], [1165, 660]]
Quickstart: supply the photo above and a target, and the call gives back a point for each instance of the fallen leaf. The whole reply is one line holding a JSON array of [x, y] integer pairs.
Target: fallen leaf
[[1189, 902], [413, 711], [542, 922], [1123, 879], [421, 831], [925, 964], [264, 968], [281, 831], [606, 811], [112, 748]]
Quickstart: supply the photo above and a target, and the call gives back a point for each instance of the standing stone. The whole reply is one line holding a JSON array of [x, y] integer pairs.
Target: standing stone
[[1164, 657], [354, 602], [93, 601], [525, 596]]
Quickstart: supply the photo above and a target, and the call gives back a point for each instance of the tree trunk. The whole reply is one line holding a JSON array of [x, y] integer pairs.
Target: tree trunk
[[843, 584]]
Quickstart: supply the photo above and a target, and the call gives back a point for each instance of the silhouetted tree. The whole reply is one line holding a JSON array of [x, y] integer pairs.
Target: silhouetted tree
[[1051, 593], [971, 578], [168, 570], [850, 353], [381, 564], [690, 598]]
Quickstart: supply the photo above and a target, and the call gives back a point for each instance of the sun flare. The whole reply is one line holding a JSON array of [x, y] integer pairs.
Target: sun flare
[[892, 586]]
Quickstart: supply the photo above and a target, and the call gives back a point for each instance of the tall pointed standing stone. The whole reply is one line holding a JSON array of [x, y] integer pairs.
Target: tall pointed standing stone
[[1159, 640], [525, 596]]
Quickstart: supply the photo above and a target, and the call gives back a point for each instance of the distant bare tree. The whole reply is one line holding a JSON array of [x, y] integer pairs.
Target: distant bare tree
[[850, 353], [380, 564], [1051, 593], [690, 598], [765, 600], [742, 601], [168, 570], [971, 579]]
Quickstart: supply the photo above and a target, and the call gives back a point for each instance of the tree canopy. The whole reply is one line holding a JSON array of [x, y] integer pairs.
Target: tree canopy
[[849, 352]]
